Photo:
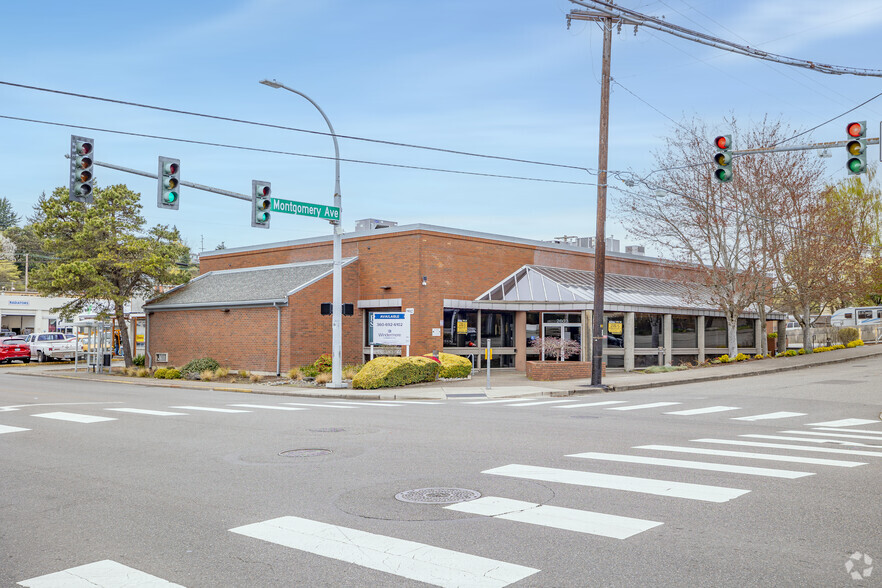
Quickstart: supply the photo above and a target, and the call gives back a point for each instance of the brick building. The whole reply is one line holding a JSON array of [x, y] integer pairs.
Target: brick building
[[258, 308]]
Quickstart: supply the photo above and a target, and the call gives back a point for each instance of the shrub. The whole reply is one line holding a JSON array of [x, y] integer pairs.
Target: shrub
[[453, 366], [160, 373], [309, 371], [385, 372], [138, 360], [221, 372], [198, 366], [758, 356], [855, 343], [773, 335], [142, 372], [295, 373], [350, 371], [172, 374], [255, 378], [741, 357], [801, 351], [323, 378], [323, 363], [724, 358], [206, 375], [848, 334], [242, 374]]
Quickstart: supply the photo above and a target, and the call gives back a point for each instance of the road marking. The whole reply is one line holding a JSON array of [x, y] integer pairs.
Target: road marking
[[498, 400], [786, 446], [8, 429], [540, 402], [768, 416], [602, 403], [408, 559], [695, 465], [707, 410], [326, 405], [569, 519], [642, 406], [843, 423], [148, 412], [267, 406], [749, 455], [418, 402], [375, 403], [209, 409], [73, 417], [843, 435], [100, 574], [850, 430], [627, 483], [804, 440]]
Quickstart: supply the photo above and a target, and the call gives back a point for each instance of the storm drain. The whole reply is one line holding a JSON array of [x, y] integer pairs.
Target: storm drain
[[328, 430], [305, 452], [437, 495]]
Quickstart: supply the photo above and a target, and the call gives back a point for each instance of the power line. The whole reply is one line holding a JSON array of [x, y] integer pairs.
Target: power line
[[295, 129], [294, 154]]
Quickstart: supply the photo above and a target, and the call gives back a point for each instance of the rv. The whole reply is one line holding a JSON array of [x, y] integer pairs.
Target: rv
[[854, 316]]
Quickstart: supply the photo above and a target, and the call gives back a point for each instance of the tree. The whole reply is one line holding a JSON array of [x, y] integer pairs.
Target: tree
[[8, 218], [103, 253], [706, 226]]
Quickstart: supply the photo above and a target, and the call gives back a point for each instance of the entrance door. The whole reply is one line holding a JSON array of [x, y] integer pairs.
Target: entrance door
[[568, 333]]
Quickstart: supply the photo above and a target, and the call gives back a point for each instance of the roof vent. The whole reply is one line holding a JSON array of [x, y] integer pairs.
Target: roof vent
[[372, 224]]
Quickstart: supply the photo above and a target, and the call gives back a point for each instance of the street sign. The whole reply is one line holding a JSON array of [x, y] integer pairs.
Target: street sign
[[305, 209], [390, 328]]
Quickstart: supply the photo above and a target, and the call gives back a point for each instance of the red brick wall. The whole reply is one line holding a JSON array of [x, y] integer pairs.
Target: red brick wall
[[560, 370]]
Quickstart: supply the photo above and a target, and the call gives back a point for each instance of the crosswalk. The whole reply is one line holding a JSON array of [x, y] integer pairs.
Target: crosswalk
[[806, 451]]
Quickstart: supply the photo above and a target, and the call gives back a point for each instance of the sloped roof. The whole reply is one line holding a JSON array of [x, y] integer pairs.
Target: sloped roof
[[254, 286], [551, 285]]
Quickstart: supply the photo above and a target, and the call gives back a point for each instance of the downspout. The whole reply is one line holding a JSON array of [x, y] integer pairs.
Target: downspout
[[278, 339], [147, 342]]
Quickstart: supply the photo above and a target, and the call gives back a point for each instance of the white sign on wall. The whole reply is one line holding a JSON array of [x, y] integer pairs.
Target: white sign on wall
[[390, 328]]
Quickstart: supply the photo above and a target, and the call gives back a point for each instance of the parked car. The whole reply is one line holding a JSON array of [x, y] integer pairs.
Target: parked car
[[14, 349]]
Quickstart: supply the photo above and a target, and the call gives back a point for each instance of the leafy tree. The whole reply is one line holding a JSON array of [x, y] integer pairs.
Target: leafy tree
[[9, 273], [103, 253], [8, 218]]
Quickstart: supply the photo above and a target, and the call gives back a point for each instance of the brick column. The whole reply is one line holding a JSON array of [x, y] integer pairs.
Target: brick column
[[520, 340]]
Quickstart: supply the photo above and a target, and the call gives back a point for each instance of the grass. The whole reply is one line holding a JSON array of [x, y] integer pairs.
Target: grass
[[660, 369]]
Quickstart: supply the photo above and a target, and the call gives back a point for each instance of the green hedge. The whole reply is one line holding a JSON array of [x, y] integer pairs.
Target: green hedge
[[386, 372], [200, 365], [453, 366]]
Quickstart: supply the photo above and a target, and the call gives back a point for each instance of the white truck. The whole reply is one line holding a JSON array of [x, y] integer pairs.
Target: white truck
[[49, 346]]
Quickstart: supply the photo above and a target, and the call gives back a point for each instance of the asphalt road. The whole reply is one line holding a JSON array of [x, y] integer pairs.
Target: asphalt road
[[205, 497]]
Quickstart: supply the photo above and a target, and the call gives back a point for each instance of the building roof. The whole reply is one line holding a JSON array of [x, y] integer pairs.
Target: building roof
[[550, 288], [253, 286]]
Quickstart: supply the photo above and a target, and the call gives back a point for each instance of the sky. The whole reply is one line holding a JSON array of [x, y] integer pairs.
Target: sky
[[504, 79]]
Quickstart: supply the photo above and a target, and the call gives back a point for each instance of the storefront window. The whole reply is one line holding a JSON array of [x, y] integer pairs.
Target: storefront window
[[683, 332], [746, 332], [498, 327], [715, 332], [460, 328], [614, 330], [533, 331], [648, 330]]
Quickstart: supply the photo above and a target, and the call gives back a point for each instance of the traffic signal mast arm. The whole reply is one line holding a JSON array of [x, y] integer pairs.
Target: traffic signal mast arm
[[155, 176], [827, 145]]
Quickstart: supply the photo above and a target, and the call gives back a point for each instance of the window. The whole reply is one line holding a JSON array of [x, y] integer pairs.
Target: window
[[533, 331], [746, 332], [864, 314], [460, 328], [683, 332], [648, 330], [715, 332], [498, 327]]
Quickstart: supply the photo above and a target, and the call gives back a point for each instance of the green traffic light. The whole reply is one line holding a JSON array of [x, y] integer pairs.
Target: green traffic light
[[262, 217], [855, 165], [723, 175], [170, 197]]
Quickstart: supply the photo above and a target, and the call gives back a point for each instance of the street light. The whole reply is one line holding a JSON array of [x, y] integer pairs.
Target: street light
[[337, 298]]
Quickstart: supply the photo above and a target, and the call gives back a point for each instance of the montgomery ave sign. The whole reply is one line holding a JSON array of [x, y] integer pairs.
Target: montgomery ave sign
[[305, 209]]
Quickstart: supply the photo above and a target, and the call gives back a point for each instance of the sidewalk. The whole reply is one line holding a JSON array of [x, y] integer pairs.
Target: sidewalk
[[504, 383]]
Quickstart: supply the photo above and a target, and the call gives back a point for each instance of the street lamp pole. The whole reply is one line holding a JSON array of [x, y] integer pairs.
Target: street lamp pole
[[337, 286]]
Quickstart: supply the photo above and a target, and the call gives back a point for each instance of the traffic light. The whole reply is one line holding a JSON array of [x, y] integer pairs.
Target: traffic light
[[81, 155], [260, 204], [168, 190], [856, 147], [723, 159]]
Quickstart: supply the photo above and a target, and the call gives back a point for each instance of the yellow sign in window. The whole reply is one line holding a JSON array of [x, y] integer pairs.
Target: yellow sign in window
[[462, 327], [615, 327]]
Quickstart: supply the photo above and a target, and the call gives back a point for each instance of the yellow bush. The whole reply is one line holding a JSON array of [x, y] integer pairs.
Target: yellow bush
[[206, 375], [384, 372], [160, 373], [855, 343], [221, 372], [758, 356], [724, 358], [741, 357], [295, 374], [323, 377], [453, 366]]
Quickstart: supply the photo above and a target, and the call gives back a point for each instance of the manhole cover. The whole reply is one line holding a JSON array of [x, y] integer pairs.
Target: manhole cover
[[328, 430], [305, 452], [437, 495]]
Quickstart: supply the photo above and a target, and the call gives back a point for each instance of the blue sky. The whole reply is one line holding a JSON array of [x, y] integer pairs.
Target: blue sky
[[505, 79]]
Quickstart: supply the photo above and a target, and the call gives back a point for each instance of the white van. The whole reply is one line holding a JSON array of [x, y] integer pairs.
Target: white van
[[857, 315]]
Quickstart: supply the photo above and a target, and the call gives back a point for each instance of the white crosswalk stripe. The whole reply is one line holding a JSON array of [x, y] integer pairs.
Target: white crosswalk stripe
[[74, 417], [812, 440], [751, 455], [541, 402], [374, 403], [570, 519], [343, 406], [844, 423], [601, 403], [100, 574], [706, 410], [787, 446], [9, 429], [498, 401], [147, 412], [627, 483], [268, 406], [849, 430], [210, 409], [769, 416], [408, 559], [694, 465], [842, 435], [642, 406]]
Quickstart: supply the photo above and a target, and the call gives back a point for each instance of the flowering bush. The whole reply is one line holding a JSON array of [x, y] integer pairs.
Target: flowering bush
[[758, 356], [741, 357], [724, 358], [801, 351], [556, 347], [855, 343]]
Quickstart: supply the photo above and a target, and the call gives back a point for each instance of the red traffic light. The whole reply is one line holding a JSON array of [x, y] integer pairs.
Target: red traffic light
[[723, 142], [264, 190], [855, 129]]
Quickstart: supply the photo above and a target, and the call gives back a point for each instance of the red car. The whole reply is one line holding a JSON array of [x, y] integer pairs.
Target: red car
[[14, 349]]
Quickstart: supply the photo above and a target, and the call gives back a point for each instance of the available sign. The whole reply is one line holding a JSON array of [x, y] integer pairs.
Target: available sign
[[305, 209], [390, 328]]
